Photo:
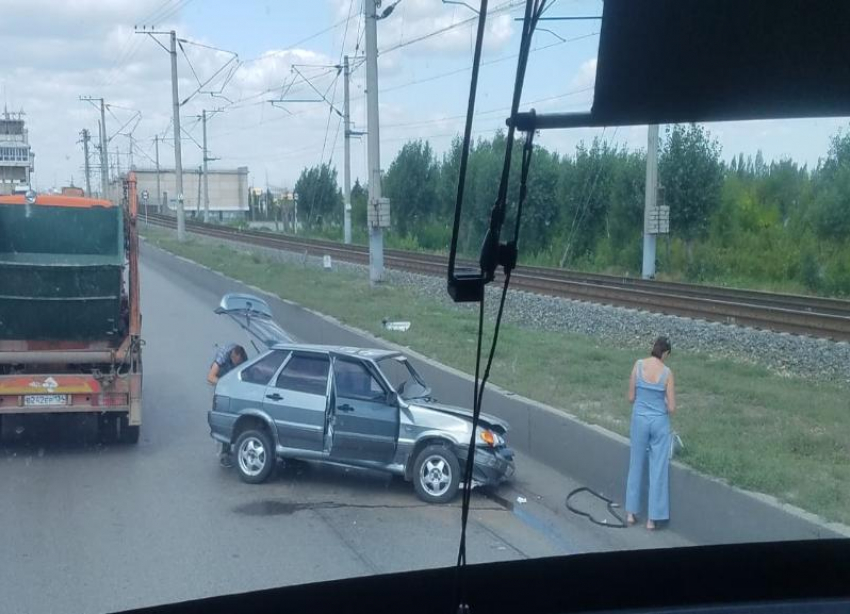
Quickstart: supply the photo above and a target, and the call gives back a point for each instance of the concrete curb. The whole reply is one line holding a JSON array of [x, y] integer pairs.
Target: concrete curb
[[704, 509]]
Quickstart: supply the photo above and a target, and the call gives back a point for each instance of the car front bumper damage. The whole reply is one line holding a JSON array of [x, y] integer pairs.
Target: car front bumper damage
[[492, 466]]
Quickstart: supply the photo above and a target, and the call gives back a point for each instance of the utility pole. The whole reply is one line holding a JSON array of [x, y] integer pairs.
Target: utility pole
[[131, 153], [346, 114], [100, 151], [207, 158], [650, 202], [86, 137], [158, 188], [347, 171], [376, 235], [178, 159], [104, 153], [206, 179]]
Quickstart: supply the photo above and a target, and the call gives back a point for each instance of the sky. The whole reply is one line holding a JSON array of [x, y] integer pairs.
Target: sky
[[56, 51]]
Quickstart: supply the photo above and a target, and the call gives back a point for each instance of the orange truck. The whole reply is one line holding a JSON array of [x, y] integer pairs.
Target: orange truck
[[70, 320]]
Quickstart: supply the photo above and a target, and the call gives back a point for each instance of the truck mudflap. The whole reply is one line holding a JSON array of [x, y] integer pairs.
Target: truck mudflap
[[24, 394]]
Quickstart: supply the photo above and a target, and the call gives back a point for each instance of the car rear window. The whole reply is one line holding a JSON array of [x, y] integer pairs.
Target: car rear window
[[261, 372], [305, 373]]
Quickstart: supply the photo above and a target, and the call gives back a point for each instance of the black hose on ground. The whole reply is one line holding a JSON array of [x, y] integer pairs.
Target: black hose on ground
[[611, 505]]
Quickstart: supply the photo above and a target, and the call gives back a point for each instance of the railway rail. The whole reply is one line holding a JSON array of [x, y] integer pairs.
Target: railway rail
[[802, 315]]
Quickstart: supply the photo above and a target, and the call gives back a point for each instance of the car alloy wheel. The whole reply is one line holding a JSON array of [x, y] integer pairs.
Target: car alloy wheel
[[436, 475], [255, 456], [252, 456]]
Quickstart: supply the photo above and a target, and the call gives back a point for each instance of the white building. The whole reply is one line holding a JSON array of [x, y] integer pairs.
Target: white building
[[228, 191], [16, 157]]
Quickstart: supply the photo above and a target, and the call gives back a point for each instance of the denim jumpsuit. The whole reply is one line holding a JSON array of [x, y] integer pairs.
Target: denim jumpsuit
[[650, 432]]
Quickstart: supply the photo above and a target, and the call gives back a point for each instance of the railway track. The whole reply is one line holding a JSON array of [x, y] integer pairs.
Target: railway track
[[803, 315]]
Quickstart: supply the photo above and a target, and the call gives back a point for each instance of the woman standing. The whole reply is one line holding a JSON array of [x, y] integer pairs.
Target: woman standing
[[653, 395]]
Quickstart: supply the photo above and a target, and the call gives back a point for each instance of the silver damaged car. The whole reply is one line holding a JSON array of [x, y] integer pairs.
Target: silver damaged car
[[349, 406]]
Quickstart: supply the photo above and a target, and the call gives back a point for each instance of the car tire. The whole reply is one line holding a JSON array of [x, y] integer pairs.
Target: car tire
[[254, 456], [436, 474]]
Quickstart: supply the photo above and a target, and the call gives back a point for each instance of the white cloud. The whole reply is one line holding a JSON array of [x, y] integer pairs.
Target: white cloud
[[88, 47], [443, 30], [586, 75]]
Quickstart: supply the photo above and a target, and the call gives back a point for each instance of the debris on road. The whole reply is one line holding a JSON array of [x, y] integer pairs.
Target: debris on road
[[398, 326]]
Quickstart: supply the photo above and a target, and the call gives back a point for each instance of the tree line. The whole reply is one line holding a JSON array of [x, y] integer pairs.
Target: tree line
[[738, 221]]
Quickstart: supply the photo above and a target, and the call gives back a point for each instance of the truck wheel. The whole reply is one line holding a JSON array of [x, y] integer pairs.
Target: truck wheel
[[436, 474], [128, 434], [107, 428], [255, 456], [114, 428]]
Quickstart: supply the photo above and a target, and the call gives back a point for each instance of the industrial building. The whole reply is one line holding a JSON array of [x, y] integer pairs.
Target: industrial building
[[228, 192], [16, 157]]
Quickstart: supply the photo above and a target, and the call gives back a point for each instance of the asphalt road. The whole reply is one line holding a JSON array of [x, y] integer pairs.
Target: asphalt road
[[92, 528]]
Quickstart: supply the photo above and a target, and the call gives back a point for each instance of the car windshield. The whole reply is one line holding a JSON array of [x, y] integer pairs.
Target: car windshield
[[231, 354], [403, 377]]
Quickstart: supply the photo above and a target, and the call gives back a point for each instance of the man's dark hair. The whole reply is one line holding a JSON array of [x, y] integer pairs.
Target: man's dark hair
[[661, 345], [239, 351]]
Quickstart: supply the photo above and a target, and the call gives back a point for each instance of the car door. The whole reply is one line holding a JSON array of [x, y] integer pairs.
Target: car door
[[365, 423], [297, 401]]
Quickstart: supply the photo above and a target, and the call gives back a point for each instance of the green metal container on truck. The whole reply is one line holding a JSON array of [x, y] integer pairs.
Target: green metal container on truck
[[61, 269]]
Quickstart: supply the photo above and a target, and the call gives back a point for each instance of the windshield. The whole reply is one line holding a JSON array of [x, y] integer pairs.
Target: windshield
[[673, 359], [403, 377]]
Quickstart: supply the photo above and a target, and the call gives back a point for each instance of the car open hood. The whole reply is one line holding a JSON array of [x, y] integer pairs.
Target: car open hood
[[485, 420]]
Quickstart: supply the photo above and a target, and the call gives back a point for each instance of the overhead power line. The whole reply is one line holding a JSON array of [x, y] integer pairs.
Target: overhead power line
[[502, 8], [300, 42], [497, 60]]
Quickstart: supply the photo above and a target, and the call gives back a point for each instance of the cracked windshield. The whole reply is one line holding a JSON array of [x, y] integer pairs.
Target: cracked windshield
[[229, 359]]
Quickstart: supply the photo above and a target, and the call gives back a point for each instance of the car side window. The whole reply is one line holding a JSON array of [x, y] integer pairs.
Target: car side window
[[355, 381], [305, 373], [261, 372]]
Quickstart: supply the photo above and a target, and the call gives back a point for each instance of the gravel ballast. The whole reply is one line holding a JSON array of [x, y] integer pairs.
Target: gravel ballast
[[783, 353]]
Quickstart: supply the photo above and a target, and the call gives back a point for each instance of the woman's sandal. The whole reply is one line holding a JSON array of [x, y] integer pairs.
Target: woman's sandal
[[650, 525], [631, 519]]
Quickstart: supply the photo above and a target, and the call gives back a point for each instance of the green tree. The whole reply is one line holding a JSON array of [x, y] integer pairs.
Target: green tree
[[832, 187], [319, 197], [691, 172], [741, 167], [448, 177], [585, 190], [784, 186], [359, 200], [411, 185]]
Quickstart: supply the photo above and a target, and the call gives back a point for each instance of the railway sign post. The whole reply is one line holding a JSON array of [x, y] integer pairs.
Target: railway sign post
[[378, 214], [145, 200], [658, 220]]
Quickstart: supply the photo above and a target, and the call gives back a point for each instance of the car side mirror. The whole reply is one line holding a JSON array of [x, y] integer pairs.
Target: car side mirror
[[392, 398]]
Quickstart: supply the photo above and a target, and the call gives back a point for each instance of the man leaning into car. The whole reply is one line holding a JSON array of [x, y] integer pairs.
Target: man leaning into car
[[226, 358]]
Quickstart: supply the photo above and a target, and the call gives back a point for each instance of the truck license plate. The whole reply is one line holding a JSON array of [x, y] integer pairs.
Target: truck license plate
[[46, 399]]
